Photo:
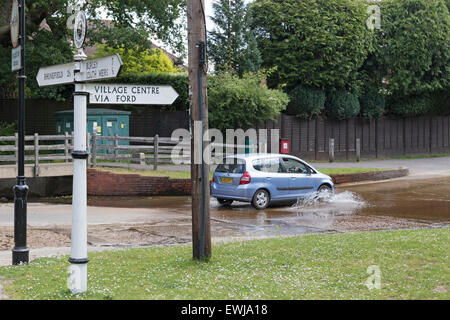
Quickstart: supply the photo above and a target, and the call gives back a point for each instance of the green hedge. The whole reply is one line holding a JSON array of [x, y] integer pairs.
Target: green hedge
[[410, 106], [242, 102], [306, 102], [372, 105], [342, 105]]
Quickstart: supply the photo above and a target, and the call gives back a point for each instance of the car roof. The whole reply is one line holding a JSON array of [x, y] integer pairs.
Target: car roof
[[252, 156]]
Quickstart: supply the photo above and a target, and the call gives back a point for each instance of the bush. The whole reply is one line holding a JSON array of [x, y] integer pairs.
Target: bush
[[372, 105], [242, 103], [411, 106], [306, 102], [7, 129], [342, 105], [441, 102]]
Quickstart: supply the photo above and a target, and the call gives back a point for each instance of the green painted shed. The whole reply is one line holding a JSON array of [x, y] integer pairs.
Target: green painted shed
[[102, 122]]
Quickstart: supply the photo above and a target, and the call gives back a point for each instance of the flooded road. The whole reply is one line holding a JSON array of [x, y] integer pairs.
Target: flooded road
[[392, 204], [147, 221]]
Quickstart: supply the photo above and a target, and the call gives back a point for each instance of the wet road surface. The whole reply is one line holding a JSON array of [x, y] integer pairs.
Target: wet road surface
[[146, 221]]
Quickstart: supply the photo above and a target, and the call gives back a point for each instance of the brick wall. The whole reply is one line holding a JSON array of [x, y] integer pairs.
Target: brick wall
[[369, 176], [102, 183]]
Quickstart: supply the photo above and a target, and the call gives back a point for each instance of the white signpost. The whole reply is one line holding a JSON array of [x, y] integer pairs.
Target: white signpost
[[79, 72], [130, 94]]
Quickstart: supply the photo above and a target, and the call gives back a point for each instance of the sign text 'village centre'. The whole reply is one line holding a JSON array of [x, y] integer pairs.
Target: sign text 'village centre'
[[130, 94]]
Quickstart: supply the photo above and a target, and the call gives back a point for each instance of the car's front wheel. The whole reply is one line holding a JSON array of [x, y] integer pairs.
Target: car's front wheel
[[261, 199], [324, 192]]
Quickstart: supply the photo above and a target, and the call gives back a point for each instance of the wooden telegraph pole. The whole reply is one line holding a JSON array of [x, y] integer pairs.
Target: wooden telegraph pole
[[201, 230]]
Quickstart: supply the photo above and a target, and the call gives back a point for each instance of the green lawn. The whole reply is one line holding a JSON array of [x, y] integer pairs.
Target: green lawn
[[414, 264], [347, 170], [187, 175]]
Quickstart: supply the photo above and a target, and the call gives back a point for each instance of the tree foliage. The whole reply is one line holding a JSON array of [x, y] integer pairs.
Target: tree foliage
[[306, 102], [415, 47], [232, 45], [137, 61], [372, 105], [342, 105], [48, 35], [410, 106], [242, 102], [318, 43]]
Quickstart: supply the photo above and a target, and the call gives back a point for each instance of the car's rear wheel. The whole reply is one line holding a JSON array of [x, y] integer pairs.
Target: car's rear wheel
[[225, 202], [261, 199]]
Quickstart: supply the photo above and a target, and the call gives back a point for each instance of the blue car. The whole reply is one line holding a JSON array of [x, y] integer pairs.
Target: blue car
[[266, 178]]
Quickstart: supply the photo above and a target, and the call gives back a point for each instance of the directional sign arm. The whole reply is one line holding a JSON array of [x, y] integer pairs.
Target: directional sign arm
[[100, 68], [130, 94], [56, 75]]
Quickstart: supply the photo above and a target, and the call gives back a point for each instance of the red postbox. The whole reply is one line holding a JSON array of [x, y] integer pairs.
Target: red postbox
[[284, 146]]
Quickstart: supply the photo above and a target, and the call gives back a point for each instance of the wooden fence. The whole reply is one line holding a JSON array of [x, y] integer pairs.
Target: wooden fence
[[381, 138], [106, 151]]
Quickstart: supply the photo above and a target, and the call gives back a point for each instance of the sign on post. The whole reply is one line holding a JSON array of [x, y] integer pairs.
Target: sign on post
[[90, 70], [14, 23], [56, 75], [130, 94], [16, 59], [100, 68]]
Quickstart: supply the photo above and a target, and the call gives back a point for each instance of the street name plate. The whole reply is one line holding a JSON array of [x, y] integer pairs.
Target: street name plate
[[100, 68], [56, 75], [130, 94], [16, 61]]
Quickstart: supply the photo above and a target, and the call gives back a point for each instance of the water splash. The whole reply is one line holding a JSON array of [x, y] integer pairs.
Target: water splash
[[346, 199]]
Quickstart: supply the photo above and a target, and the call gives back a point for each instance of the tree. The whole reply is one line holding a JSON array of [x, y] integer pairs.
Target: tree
[[133, 21], [136, 61], [317, 43], [242, 102], [232, 45], [415, 49]]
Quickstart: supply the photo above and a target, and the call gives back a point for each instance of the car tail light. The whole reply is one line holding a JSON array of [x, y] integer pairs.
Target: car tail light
[[245, 179]]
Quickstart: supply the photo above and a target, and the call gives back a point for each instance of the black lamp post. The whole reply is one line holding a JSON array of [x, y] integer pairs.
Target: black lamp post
[[20, 252]]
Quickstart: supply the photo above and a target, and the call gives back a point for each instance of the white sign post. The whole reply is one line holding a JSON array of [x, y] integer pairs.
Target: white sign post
[[130, 94], [79, 72]]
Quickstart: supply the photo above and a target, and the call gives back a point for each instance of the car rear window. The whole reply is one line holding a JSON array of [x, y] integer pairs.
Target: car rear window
[[237, 167]]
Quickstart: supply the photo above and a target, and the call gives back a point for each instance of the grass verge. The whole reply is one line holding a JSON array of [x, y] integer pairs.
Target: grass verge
[[413, 265], [187, 175]]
